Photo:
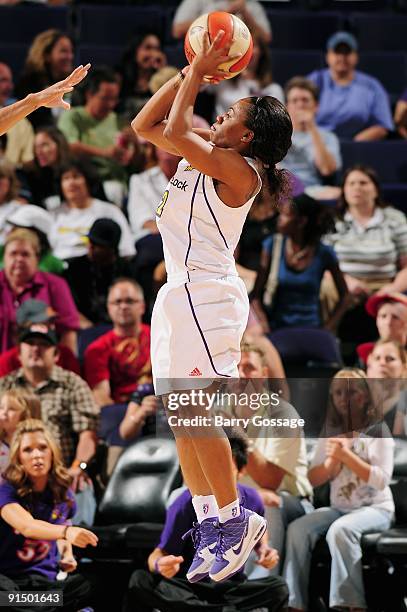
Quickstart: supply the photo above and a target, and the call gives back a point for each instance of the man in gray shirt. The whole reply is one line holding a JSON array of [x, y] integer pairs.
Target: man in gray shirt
[[315, 152]]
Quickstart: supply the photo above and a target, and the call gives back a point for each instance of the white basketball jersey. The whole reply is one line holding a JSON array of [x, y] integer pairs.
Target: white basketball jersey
[[199, 232]]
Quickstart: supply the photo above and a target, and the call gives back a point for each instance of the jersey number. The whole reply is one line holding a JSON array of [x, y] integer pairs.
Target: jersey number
[[161, 205]]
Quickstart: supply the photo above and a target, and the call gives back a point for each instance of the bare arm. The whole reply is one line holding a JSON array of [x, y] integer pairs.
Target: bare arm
[[343, 302], [69, 339], [375, 132], [86, 447], [102, 393], [400, 118], [324, 160], [265, 473], [50, 97]]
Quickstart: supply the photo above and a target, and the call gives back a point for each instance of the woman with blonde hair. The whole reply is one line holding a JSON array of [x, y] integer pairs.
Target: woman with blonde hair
[[36, 507], [21, 280], [358, 467], [16, 405], [49, 59]]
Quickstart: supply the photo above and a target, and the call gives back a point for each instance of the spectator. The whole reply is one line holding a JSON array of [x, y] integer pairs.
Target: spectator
[[164, 585], [370, 241], [358, 468], [90, 276], [256, 80], [142, 58], [352, 104], [41, 177], [250, 11], [67, 408], [36, 311], [146, 189], [390, 312], [49, 60], [73, 219], [15, 406], [291, 299], [94, 131], [314, 154], [277, 462], [36, 507], [119, 360], [400, 115], [17, 144], [8, 195], [21, 280], [38, 221], [388, 363]]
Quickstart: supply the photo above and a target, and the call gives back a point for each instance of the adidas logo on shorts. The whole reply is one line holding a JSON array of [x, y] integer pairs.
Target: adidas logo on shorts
[[195, 372]]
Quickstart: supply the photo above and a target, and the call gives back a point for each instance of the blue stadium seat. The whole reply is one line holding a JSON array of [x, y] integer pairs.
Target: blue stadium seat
[[99, 55], [104, 25], [175, 55], [384, 32], [20, 24], [303, 30], [14, 56], [86, 336], [389, 67], [287, 64], [388, 158], [396, 195]]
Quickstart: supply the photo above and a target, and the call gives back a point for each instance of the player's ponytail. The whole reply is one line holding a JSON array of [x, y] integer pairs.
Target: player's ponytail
[[272, 127]]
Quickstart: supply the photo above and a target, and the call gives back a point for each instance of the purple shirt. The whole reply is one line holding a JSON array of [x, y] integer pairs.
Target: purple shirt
[[20, 555], [181, 516], [349, 109], [44, 286]]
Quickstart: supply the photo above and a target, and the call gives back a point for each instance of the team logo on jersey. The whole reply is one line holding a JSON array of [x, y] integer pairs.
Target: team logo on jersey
[[189, 169], [179, 184], [205, 508]]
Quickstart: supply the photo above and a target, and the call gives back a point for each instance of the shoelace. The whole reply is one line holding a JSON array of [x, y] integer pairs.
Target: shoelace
[[195, 533]]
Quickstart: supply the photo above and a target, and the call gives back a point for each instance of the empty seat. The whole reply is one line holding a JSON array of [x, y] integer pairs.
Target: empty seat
[[388, 158], [287, 64], [116, 25], [384, 32], [396, 195], [14, 56], [390, 68], [303, 30], [99, 55], [20, 24]]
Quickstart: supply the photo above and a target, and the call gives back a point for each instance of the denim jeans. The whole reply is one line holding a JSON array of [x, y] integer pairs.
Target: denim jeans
[[343, 534]]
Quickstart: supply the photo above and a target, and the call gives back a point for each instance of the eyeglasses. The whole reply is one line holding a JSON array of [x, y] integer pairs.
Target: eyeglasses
[[126, 302]]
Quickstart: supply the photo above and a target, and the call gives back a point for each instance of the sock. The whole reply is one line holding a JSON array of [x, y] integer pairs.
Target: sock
[[205, 506], [230, 511]]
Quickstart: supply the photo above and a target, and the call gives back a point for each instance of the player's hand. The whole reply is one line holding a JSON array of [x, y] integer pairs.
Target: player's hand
[[267, 557], [169, 565], [81, 537], [68, 563], [52, 97], [207, 60]]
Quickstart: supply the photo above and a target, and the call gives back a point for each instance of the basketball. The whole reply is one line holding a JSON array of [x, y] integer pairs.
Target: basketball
[[237, 39]]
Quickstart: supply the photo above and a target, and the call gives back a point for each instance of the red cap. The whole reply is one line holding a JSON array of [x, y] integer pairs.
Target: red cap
[[375, 301]]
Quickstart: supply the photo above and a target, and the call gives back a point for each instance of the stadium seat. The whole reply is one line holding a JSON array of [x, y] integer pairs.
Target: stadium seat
[[384, 32], [103, 25], [20, 24], [388, 158], [131, 514], [14, 56], [287, 64], [390, 68], [99, 55], [86, 336], [303, 30], [396, 195], [175, 55]]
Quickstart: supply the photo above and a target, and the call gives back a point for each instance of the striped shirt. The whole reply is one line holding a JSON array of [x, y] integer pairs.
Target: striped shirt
[[371, 251], [67, 406]]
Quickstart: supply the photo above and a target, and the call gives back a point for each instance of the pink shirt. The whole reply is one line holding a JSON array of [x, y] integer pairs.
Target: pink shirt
[[44, 286]]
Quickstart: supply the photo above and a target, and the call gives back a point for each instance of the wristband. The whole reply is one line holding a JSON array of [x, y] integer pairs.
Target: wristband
[[156, 568], [64, 532]]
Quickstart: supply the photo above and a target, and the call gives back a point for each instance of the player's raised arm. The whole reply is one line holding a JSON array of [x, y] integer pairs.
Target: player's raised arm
[[50, 97]]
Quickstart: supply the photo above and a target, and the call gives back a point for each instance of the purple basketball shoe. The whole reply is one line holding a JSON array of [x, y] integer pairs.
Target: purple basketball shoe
[[204, 536], [237, 538]]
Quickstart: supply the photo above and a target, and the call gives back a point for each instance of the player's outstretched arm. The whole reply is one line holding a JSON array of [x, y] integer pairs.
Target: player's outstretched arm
[[51, 97]]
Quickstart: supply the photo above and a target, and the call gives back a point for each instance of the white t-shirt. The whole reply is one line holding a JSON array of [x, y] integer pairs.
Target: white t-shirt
[[348, 491], [68, 236], [230, 91], [145, 193], [6, 210], [4, 458]]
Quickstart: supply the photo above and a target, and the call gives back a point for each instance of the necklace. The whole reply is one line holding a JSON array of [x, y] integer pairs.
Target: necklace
[[301, 254]]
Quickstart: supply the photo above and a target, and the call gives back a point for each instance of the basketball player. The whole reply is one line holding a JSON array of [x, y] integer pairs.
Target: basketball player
[[200, 314], [51, 97]]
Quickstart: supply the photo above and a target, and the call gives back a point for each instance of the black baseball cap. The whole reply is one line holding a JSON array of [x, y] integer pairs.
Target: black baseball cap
[[105, 232], [38, 330]]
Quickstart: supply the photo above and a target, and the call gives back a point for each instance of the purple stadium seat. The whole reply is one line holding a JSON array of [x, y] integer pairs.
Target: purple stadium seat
[[388, 158], [287, 64], [20, 24], [99, 55], [390, 67], [303, 30], [380, 32]]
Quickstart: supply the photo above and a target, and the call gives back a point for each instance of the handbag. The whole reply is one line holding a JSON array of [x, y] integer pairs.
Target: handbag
[[272, 279]]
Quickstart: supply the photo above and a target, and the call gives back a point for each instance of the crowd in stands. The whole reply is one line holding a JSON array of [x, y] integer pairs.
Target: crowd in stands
[[81, 262]]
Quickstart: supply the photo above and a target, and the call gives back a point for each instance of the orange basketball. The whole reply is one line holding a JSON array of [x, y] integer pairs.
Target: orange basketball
[[237, 38]]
